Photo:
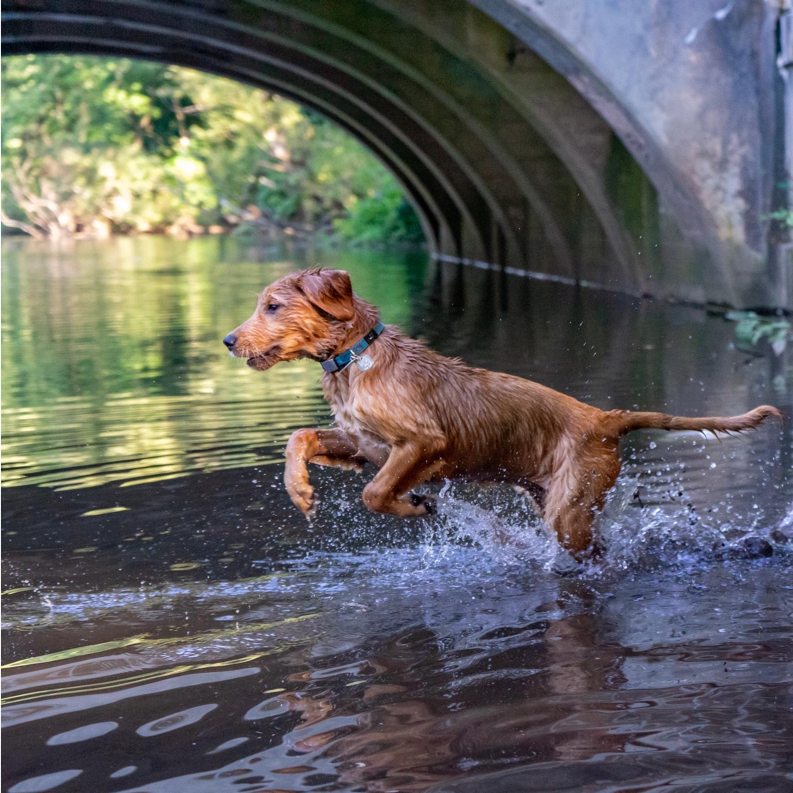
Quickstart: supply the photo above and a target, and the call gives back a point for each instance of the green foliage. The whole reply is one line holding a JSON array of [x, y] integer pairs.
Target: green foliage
[[784, 216], [753, 329], [380, 215], [93, 145]]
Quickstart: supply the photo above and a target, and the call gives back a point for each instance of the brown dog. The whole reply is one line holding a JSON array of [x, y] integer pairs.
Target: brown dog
[[418, 416]]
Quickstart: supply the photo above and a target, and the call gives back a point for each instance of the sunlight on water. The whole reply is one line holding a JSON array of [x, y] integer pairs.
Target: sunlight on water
[[138, 389]]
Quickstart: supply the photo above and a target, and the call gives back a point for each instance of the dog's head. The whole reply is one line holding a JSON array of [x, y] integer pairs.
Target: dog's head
[[302, 315]]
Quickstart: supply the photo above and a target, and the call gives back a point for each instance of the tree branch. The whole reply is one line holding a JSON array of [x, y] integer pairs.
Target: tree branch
[[18, 224]]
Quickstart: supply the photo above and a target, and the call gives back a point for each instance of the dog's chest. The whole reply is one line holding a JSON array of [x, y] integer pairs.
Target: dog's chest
[[351, 405]]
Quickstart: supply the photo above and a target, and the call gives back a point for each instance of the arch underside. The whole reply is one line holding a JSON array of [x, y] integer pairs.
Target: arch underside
[[504, 161]]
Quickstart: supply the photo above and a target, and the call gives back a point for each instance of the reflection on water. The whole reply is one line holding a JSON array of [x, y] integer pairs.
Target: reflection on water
[[110, 366], [171, 624]]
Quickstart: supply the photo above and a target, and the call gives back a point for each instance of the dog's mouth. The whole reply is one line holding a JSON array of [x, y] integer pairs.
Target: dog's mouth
[[265, 360]]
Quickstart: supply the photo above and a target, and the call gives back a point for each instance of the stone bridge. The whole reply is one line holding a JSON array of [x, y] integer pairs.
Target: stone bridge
[[635, 146]]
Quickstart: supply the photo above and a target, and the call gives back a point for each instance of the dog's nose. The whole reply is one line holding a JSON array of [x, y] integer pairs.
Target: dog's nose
[[230, 341]]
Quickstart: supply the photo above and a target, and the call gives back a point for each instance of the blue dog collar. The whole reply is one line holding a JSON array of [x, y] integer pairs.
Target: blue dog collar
[[344, 359]]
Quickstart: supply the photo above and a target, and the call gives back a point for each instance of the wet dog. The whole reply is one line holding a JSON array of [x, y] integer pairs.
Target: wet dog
[[418, 416]]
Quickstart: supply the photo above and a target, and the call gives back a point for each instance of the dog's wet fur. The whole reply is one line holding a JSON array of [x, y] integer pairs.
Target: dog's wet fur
[[418, 416]]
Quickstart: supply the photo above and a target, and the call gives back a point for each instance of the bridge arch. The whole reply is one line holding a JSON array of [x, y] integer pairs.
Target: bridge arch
[[511, 150]]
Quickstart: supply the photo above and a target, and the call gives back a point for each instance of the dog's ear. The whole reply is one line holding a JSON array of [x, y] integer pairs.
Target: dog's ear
[[330, 291]]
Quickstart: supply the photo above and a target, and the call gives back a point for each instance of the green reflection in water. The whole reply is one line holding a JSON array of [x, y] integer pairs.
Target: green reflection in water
[[113, 367]]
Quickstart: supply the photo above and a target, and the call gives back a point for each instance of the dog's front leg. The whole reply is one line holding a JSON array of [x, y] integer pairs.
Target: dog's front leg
[[302, 447], [407, 466]]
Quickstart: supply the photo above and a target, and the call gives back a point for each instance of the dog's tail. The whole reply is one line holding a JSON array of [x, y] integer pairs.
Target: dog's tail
[[628, 421]]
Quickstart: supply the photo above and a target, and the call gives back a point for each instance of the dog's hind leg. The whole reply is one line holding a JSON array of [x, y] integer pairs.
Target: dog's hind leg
[[575, 496]]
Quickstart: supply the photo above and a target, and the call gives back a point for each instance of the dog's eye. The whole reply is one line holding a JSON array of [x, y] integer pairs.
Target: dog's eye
[[272, 308]]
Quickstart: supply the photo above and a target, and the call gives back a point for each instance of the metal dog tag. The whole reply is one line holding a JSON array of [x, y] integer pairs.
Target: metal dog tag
[[364, 362]]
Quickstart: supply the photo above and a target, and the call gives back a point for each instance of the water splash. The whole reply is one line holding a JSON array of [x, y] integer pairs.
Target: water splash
[[498, 519], [631, 535]]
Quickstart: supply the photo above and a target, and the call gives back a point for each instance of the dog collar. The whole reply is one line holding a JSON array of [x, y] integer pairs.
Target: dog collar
[[344, 359]]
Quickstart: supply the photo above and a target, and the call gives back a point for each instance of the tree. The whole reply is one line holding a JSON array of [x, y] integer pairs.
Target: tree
[[93, 145]]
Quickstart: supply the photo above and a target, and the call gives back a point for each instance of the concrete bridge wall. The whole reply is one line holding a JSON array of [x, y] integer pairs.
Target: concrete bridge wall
[[637, 146]]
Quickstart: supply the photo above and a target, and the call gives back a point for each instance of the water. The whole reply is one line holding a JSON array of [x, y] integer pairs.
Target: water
[[173, 624]]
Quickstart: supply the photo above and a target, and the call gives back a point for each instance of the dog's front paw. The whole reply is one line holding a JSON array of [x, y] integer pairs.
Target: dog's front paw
[[303, 499], [302, 494], [429, 504]]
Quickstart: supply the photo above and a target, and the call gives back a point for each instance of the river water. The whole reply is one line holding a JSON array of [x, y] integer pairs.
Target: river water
[[172, 623]]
